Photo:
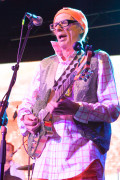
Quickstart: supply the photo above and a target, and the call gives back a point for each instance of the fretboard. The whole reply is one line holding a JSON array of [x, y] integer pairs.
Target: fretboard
[[64, 85]]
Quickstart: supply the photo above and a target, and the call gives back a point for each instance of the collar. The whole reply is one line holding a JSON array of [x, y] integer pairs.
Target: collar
[[59, 53]]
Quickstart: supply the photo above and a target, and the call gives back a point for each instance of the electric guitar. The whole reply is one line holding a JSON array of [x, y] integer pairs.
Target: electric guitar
[[36, 143]]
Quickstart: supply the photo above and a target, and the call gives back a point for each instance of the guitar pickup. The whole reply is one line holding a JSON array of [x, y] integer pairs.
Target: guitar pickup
[[48, 128]]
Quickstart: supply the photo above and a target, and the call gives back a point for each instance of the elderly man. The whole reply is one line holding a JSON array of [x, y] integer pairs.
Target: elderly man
[[81, 117]]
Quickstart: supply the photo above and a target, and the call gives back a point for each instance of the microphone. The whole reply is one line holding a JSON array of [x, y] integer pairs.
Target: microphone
[[37, 20]]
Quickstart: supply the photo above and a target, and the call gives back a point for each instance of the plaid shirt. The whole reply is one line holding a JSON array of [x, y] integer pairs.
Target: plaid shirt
[[68, 153]]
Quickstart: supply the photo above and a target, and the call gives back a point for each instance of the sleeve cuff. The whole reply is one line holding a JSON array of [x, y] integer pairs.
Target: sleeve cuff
[[82, 114]]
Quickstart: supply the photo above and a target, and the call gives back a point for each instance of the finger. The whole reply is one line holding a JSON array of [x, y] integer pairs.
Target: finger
[[33, 129], [54, 104], [30, 123], [30, 117], [51, 106]]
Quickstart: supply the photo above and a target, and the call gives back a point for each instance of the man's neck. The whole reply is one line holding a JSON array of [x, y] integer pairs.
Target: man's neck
[[67, 53]]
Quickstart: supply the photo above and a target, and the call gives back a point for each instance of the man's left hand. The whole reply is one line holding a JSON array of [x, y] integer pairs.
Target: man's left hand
[[66, 107]]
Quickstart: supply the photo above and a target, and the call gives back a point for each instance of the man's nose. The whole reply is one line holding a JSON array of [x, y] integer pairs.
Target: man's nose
[[59, 27]]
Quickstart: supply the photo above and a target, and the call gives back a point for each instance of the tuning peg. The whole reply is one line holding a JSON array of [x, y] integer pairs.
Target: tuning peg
[[85, 79], [77, 46], [83, 74], [88, 76], [80, 78], [90, 72]]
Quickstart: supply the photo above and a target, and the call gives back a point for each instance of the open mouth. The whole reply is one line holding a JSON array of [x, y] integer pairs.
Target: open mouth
[[62, 36]]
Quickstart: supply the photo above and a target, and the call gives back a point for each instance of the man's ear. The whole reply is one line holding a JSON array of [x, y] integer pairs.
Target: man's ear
[[81, 35], [81, 31]]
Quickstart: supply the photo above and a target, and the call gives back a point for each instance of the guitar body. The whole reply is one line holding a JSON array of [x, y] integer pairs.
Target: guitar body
[[36, 142]]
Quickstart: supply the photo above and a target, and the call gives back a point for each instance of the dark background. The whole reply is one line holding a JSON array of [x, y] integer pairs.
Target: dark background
[[103, 18]]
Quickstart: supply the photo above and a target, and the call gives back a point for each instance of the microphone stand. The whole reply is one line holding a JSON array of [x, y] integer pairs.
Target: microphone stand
[[3, 151], [5, 101]]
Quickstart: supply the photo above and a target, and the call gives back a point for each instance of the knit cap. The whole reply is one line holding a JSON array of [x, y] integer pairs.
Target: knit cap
[[77, 15]]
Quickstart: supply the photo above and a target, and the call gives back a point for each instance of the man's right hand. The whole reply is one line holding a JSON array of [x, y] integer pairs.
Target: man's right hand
[[31, 123]]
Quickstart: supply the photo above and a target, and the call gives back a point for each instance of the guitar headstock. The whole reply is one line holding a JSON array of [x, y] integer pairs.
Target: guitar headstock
[[84, 73], [88, 49]]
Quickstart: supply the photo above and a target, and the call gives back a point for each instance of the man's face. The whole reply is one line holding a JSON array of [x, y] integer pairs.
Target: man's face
[[9, 152], [68, 35]]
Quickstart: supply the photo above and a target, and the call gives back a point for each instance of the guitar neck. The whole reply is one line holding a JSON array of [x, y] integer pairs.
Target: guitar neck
[[69, 81], [60, 91]]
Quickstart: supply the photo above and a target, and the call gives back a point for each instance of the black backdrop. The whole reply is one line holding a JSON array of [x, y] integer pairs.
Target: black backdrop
[[103, 18]]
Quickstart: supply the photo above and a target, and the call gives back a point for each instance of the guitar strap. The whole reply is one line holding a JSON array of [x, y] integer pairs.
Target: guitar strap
[[71, 67], [47, 128]]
